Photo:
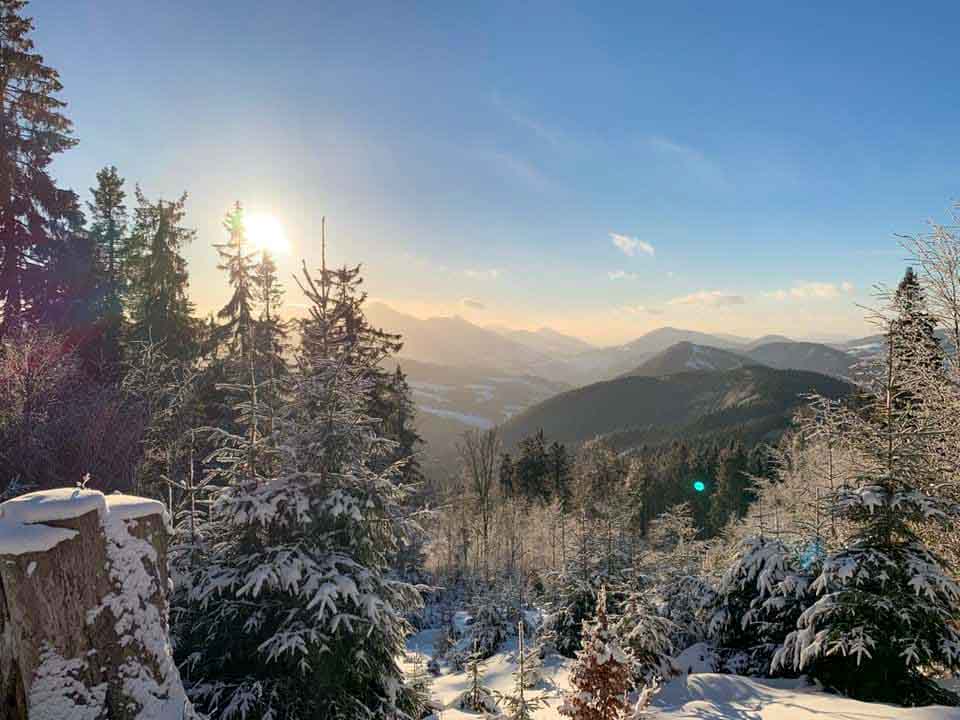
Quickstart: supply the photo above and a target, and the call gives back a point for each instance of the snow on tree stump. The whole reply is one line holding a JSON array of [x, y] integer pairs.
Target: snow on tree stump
[[84, 609]]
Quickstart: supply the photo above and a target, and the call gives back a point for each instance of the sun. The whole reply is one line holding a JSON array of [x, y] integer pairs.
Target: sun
[[266, 233]]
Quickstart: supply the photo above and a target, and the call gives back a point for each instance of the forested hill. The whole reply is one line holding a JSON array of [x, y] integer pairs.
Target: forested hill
[[634, 410]]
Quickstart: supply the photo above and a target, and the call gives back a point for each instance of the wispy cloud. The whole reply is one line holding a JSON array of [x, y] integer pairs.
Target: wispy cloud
[[690, 158], [621, 275], [641, 310], [539, 128], [519, 169], [488, 274], [631, 245], [817, 290], [713, 298], [473, 304]]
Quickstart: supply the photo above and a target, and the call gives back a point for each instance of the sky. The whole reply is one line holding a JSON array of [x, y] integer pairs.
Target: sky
[[601, 168]]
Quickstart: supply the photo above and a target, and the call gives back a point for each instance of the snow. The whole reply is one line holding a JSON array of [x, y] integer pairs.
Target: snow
[[699, 695], [58, 692], [498, 676], [472, 420], [131, 507], [140, 622], [22, 528], [708, 696]]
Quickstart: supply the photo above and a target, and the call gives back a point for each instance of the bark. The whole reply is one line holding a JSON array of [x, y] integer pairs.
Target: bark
[[83, 625]]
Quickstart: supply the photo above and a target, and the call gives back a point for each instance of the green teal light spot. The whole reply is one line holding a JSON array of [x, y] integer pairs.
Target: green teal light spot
[[699, 486]]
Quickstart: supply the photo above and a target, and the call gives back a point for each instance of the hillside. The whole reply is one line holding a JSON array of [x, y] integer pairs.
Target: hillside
[[453, 341], [687, 356], [813, 357], [545, 340], [609, 362], [649, 409]]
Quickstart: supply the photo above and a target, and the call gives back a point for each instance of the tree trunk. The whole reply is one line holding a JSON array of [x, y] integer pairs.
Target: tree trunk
[[83, 609]]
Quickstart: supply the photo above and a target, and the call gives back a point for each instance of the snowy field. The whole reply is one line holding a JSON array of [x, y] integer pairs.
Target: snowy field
[[698, 696]]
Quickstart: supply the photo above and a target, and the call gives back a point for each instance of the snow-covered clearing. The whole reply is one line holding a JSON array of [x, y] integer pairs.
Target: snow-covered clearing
[[497, 676], [699, 696]]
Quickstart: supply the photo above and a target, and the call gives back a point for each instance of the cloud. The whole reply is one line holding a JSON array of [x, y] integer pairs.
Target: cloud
[[631, 245], [473, 304], [531, 123], [713, 298], [691, 159], [621, 275], [818, 290], [520, 169], [488, 274], [641, 310]]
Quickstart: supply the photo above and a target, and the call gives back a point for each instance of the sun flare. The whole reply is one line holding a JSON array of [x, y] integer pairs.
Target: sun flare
[[266, 233]]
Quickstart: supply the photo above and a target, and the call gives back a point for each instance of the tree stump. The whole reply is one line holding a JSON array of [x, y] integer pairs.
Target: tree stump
[[84, 609]]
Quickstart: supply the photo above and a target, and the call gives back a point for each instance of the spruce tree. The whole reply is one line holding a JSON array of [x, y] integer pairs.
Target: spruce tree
[[271, 331], [237, 330], [160, 310], [757, 603], [519, 705], [37, 219], [293, 610], [108, 232], [886, 607], [913, 343]]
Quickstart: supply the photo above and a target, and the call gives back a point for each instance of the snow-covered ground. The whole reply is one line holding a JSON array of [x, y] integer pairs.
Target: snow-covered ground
[[709, 696], [498, 676], [698, 696]]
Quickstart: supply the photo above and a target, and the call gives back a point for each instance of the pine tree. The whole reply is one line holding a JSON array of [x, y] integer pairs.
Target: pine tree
[[914, 344], [490, 626], [293, 612], [731, 494], [237, 330], [37, 219], [886, 607], [271, 331], [644, 633], [758, 602], [160, 310], [601, 675], [108, 232], [519, 705], [478, 697], [532, 468]]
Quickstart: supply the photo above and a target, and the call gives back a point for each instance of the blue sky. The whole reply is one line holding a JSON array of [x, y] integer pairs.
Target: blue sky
[[754, 159]]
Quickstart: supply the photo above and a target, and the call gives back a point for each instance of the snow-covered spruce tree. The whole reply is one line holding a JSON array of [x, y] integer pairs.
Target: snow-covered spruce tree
[[886, 608], [238, 262], [674, 566], [295, 612], [519, 705], [572, 599], [477, 697], [601, 676], [757, 604], [490, 626], [645, 633]]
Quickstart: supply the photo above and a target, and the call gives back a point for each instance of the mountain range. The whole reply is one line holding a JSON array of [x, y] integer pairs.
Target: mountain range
[[666, 383], [754, 401]]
